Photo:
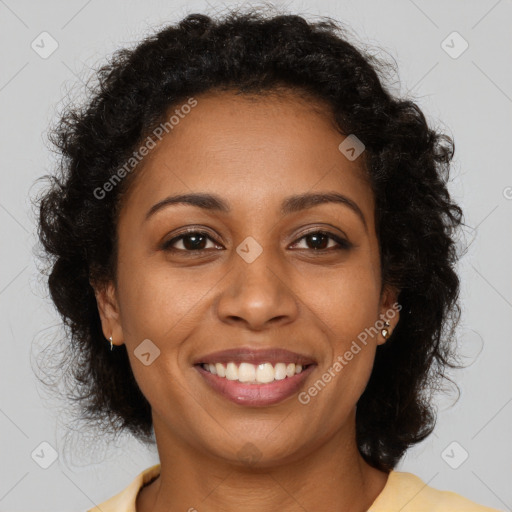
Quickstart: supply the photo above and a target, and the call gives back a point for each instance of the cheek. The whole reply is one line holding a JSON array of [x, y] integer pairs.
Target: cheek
[[163, 306], [159, 303], [345, 301], [346, 305]]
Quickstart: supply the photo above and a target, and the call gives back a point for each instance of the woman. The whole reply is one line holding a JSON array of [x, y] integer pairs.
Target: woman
[[252, 242]]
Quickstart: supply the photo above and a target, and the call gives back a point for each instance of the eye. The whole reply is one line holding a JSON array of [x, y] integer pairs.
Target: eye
[[320, 238], [191, 241], [194, 241]]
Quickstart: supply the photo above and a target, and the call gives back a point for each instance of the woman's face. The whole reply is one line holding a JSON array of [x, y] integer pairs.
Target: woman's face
[[260, 278]]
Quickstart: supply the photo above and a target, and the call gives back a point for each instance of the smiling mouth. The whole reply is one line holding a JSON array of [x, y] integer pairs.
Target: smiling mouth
[[255, 377], [255, 385], [248, 373]]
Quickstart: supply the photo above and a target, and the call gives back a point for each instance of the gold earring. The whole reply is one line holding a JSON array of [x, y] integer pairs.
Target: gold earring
[[111, 345], [385, 330]]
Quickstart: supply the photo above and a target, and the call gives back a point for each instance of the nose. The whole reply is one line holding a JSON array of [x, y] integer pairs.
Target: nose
[[258, 295]]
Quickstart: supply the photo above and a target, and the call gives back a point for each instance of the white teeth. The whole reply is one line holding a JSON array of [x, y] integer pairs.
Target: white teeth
[[280, 371], [221, 370], [265, 373], [254, 374], [231, 371], [246, 372]]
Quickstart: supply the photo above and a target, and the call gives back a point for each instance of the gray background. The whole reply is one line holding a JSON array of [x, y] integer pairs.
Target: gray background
[[469, 96]]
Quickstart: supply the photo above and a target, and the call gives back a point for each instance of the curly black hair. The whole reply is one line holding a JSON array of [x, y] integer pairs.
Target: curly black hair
[[406, 159]]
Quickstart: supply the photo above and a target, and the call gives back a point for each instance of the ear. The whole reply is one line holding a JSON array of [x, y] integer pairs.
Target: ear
[[108, 309], [389, 310]]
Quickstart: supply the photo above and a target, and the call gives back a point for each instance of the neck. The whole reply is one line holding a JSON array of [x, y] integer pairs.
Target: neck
[[333, 477]]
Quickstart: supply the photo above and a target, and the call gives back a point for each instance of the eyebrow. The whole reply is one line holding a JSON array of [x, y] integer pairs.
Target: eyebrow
[[291, 204]]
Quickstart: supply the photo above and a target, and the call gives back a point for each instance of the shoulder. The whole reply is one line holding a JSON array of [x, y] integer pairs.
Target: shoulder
[[406, 492], [125, 500]]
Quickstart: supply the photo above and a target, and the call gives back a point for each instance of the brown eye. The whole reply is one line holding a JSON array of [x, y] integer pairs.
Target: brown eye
[[191, 241], [317, 241], [320, 240]]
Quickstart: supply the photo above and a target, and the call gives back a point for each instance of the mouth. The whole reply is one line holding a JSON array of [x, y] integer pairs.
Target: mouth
[[255, 377]]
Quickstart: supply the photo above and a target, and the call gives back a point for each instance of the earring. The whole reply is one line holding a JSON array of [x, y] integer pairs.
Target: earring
[[385, 330], [111, 345]]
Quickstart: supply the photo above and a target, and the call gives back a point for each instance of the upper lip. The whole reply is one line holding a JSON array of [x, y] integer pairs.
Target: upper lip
[[255, 356]]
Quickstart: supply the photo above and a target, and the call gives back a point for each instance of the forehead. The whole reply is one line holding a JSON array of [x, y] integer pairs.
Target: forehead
[[251, 148]]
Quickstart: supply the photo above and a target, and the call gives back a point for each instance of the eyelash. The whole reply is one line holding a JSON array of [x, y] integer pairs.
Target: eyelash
[[342, 244]]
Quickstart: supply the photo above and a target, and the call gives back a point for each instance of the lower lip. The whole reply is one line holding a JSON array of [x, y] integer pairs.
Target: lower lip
[[256, 395]]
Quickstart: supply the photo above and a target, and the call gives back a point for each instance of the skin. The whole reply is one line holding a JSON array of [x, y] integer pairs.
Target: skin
[[253, 152]]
